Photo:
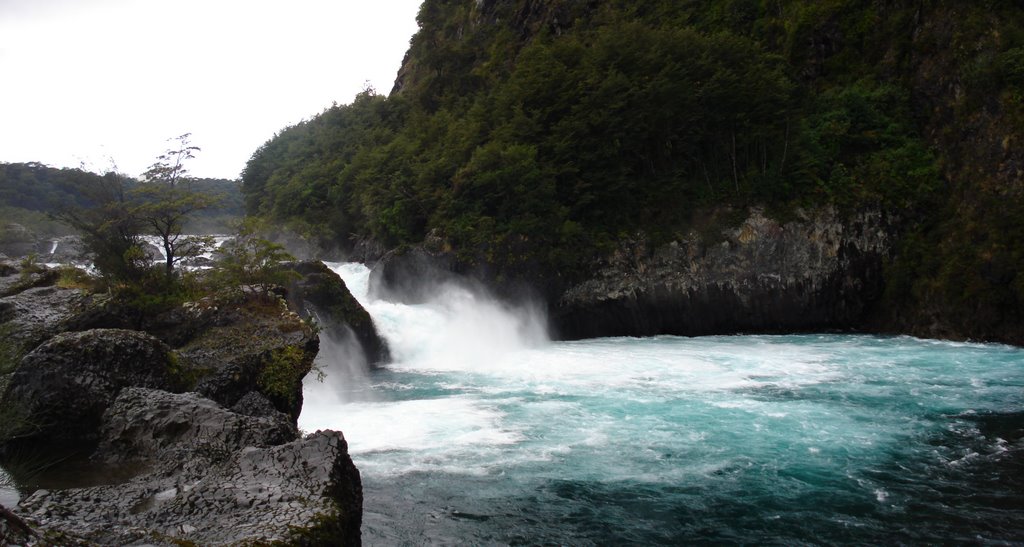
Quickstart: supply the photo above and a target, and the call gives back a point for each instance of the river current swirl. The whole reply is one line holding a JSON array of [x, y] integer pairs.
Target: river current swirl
[[484, 432]]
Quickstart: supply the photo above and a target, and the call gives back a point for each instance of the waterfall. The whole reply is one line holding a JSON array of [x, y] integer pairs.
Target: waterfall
[[460, 327]]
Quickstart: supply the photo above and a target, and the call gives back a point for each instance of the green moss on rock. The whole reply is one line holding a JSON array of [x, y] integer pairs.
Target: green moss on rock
[[283, 372]]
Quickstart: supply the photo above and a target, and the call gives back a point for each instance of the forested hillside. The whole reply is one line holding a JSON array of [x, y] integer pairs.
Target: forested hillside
[[532, 136]]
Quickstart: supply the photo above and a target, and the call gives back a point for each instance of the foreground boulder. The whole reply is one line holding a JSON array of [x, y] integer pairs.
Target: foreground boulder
[[215, 478], [145, 423], [220, 465], [60, 390], [30, 317], [226, 347]]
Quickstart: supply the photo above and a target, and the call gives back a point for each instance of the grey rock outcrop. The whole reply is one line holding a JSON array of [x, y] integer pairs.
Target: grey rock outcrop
[[366, 251], [143, 422], [30, 317], [819, 271], [15, 531], [65, 250], [321, 294], [249, 345], [12, 284], [255, 404], [185, 468], [216, 478], [60, 390]]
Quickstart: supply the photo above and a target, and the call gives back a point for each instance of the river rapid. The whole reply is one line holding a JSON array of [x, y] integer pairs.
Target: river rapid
[[483, 431]]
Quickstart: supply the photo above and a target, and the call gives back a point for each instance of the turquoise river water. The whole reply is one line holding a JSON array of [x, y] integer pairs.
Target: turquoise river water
[[484, 432]]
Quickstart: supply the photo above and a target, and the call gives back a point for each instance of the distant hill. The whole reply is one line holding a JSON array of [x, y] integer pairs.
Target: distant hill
[[29, 191]]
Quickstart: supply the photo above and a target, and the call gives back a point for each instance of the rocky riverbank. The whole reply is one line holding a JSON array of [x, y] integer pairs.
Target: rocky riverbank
[[817, 271], [179, 428]]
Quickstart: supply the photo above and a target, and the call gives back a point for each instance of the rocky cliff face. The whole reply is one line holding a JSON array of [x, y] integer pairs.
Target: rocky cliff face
[[249, 346], [411, 275], [17, 241], [817, 272]]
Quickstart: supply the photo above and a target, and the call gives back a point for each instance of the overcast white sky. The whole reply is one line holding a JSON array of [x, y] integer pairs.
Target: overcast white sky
[[94, 80]]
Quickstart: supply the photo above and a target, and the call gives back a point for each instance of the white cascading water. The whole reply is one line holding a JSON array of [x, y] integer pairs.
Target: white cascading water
[[482, 431], [459, 329]]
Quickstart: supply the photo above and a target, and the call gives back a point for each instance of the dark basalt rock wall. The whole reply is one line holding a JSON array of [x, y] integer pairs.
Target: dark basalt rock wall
[[818, 272], [411, 275]]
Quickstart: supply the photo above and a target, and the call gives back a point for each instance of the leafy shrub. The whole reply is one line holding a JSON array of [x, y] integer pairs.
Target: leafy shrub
[[250, 261]]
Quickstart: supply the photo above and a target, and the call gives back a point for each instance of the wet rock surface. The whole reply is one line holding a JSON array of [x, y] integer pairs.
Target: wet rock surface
[[322, 295], [13, 284], [30, 317], [816, 272], [61, 389], [144, 422], [189, 424], [64, 250], [215, 478], [250, 345]]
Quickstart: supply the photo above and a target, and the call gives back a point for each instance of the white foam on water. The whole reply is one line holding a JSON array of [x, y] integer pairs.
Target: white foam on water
[[340, 375], [464, 331], [477, 390], [476, 344], [390, 438], [9, 496], [457, 331]]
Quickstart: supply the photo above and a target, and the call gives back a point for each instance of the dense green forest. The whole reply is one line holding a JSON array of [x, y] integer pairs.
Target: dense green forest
[[532, 135], [31, 192]]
